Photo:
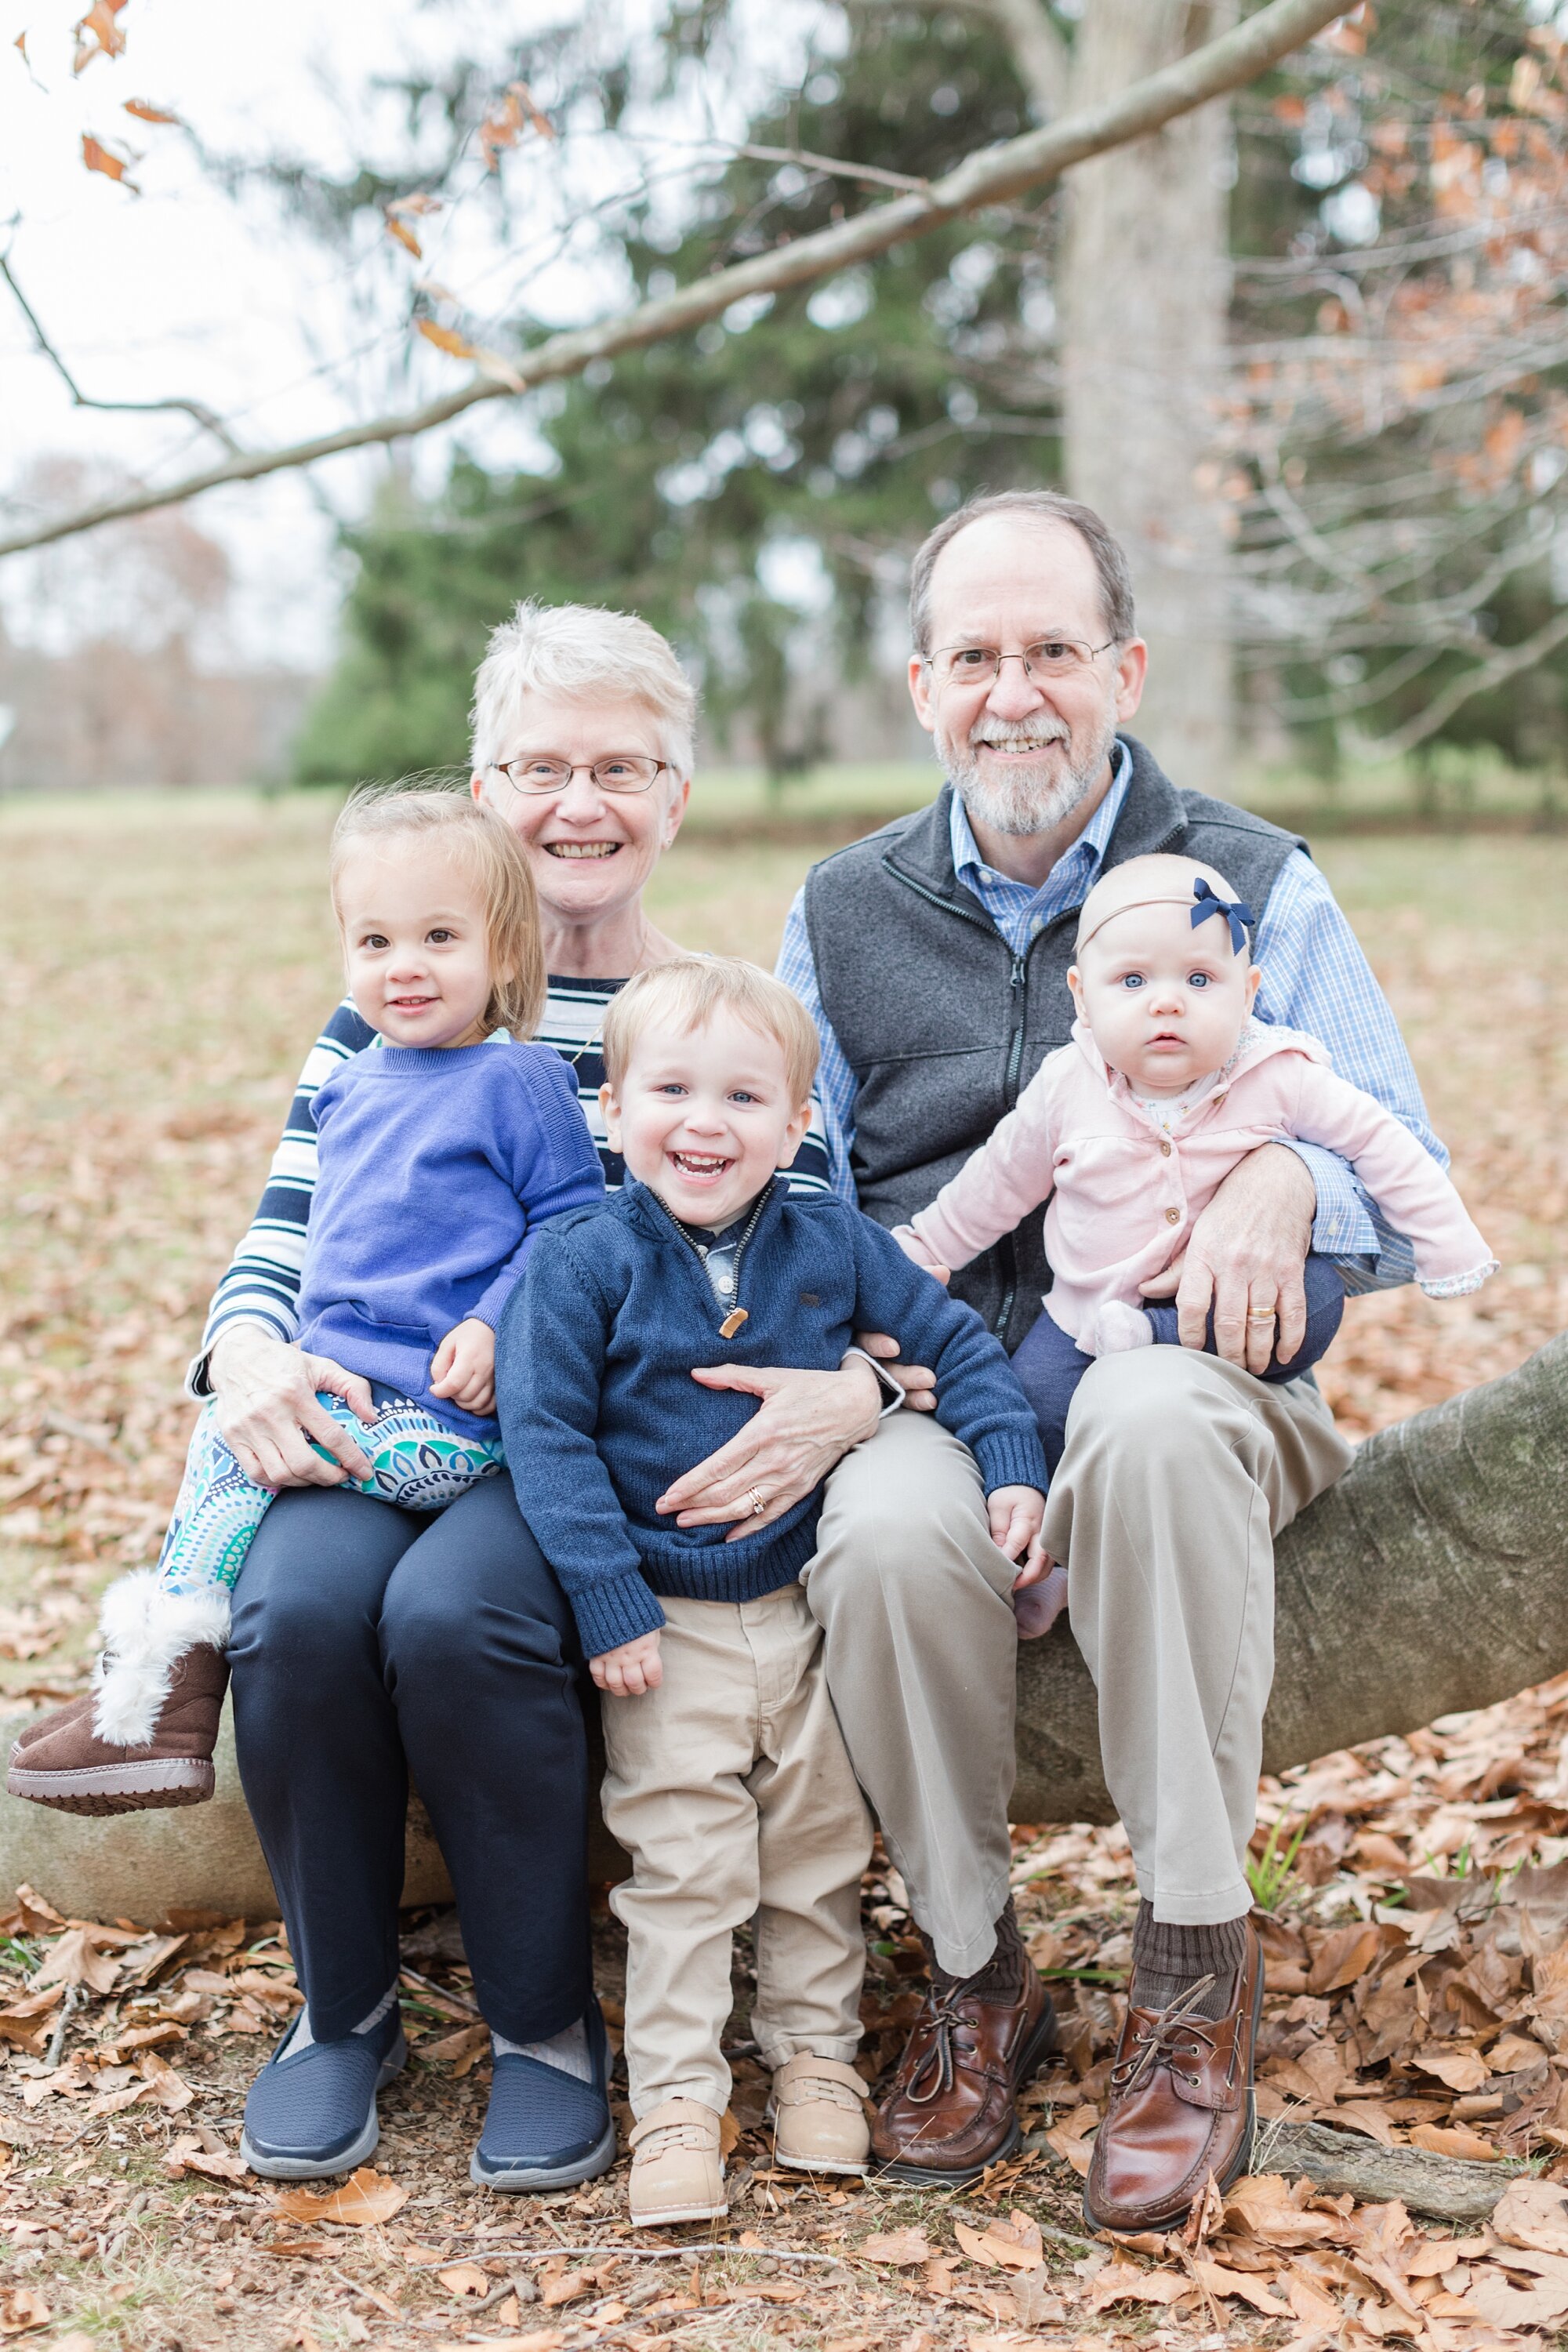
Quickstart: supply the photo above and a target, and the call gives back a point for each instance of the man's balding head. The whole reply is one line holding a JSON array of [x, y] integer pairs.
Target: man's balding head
[[1027, 509]]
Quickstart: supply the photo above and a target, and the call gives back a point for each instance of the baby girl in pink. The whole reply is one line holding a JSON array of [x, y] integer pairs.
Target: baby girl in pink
[[1129, 1130]]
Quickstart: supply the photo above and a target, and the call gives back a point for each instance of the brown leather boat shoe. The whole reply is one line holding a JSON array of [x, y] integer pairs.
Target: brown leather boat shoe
[[950, 2109], [1181, 2106]]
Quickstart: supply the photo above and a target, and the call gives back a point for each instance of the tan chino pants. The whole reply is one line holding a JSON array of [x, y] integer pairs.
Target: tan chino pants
[[730, 1788], [1179, 1471]]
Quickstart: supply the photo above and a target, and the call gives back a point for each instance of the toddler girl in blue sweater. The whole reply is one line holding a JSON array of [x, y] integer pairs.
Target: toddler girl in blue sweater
[[442, 1150]]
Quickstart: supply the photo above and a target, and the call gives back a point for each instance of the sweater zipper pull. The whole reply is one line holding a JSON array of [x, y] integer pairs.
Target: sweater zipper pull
[[732, 1322]]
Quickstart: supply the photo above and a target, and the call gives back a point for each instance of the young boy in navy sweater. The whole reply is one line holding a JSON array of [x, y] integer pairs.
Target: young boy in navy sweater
[[727, 1781]]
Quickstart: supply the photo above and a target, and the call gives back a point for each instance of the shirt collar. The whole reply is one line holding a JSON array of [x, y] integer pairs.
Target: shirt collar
[[1085, 854]]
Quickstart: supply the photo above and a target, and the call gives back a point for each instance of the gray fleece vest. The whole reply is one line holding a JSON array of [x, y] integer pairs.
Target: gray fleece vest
[[943, 1025]]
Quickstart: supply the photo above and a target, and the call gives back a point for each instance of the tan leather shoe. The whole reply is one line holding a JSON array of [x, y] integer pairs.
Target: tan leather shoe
[[1181, 2106], [977, 2041], [677, 2172], [819, 2117]]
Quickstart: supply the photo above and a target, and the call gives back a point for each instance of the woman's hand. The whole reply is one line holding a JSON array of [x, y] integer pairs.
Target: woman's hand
[[630, 1669], [463, 1367], [807, 1422], [264, 1392], [1246, 1259]]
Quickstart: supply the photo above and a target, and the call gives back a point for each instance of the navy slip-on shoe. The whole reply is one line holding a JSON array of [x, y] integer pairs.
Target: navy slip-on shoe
[[546, 2129], [312, 2110]]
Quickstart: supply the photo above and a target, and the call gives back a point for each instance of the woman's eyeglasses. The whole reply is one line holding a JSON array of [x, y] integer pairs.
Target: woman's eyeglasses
[[542, 771]]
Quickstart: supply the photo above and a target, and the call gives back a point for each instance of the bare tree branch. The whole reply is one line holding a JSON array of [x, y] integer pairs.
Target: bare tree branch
[[1505, 663], [993, 175], [205, 416], [831, 166]]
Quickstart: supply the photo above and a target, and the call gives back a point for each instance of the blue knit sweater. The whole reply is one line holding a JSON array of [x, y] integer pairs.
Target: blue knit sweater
[[437, 1170], [600, 1413]]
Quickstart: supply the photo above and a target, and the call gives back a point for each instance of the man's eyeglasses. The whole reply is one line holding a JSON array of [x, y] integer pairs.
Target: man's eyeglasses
[[980, 664], [544, 771]]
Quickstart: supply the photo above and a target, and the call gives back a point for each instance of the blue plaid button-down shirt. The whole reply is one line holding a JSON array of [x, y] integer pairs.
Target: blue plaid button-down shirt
[[1315, 978]]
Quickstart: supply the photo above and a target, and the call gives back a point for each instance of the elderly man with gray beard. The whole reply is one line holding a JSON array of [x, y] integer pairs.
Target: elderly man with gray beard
[[933, 957]]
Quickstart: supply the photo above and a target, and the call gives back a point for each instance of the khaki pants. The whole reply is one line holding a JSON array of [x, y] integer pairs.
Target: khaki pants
[[730, 1788], [1179, 1471]]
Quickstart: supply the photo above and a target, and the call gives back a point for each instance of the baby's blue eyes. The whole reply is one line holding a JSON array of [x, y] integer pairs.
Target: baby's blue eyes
[[1140, 980], [1131, 980], [1197, 980]]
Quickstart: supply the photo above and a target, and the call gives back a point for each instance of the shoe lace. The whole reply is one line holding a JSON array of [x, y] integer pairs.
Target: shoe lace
[[665, 2137], [822, 2090], [943, 2020], [1175, 2034]]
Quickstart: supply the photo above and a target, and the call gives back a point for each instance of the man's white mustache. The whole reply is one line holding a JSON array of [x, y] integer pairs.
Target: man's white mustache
[[1035, 732]]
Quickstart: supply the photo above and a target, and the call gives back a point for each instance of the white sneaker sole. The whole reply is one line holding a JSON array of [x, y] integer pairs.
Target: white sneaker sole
[[821, 2163]]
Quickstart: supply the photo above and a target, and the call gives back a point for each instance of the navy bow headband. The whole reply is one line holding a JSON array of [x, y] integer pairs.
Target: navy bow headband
[[1236, 912]]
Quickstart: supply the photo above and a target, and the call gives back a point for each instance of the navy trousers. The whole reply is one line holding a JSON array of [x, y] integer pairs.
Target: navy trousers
[[369, 1643], [1049, 1365]]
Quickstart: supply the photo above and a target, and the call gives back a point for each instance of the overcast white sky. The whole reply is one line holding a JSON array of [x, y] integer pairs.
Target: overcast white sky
[[180, 290]]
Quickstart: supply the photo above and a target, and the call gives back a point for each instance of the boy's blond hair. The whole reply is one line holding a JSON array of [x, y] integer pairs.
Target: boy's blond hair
[[493, 856], [686, 995]]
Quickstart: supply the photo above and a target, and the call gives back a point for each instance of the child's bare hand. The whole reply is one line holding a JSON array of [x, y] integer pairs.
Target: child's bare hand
[[910, 1242], [463, 1367], [630, 1670], [1016, 1515]]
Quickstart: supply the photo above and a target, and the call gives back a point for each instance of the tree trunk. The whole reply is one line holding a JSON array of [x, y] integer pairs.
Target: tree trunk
[[1433, 1578], [1143, 300]]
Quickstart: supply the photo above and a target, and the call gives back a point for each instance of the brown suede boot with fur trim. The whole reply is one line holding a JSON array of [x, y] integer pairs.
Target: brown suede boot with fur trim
[[144, 1737]]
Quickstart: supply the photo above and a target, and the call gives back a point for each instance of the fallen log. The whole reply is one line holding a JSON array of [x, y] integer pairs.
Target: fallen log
[[1433, 1578], [1443, 2188]]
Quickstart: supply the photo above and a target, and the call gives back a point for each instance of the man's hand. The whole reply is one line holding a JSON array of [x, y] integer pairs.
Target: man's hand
[[1245, 1258], [917, 1381], [630, 1670], [264, 1392], [463, 1367], [1016, 1515], [808, 1422]]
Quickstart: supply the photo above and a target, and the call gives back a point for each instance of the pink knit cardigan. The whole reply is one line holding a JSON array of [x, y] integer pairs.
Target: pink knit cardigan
[[1124, 1197]]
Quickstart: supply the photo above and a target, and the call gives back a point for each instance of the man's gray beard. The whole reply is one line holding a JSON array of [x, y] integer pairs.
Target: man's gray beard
[[1032, 800]]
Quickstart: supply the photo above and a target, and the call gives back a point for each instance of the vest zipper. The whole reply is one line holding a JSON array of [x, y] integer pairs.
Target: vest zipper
[[1018, 983]]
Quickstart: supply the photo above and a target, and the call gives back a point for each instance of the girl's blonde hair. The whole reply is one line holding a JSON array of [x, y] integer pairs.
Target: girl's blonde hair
[[686, 995], [496, 860]]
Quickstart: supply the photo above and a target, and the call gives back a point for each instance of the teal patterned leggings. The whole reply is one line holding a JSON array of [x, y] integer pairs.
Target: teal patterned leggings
[[417, 1462]]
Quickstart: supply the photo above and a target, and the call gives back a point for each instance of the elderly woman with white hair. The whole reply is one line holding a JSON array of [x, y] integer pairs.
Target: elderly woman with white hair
[[370, 1643]]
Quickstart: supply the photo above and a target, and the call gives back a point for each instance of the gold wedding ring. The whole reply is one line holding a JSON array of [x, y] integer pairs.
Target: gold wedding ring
[[1263, 1315], [759, 1501]]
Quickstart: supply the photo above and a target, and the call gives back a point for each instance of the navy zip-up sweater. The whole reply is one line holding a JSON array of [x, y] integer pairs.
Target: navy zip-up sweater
[[600, 1413]]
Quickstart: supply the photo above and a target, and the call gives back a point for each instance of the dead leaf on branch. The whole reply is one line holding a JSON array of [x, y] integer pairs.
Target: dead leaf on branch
[[366, 2196], [145, 112], [99, 158], [504, 127], [108, 40], [405, 236]]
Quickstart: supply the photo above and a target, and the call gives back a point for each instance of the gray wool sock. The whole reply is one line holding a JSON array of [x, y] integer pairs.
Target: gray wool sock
[[566, 2050], [1167, 1961]]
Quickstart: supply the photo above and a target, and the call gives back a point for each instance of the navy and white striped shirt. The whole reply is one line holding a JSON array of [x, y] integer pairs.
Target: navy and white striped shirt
[[262, 1283]]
